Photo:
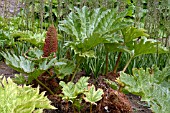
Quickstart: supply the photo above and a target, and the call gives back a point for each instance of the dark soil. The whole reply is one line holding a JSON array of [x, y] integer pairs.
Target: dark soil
[[6, 71], [128, 103]]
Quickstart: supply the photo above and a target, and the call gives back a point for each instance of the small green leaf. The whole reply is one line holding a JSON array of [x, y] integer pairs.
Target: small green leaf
[[81, 85], [68, 91], [71, 91], [92, 95], [19, 79], [34, 53], [112, 84]]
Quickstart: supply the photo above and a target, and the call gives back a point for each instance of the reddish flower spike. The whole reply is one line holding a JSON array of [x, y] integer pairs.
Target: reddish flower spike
[[51, 42]]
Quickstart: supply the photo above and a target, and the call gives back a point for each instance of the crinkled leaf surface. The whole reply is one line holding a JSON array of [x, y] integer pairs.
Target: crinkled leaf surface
[[135, 46], [35, 39], [138, 47], [34, 53], [92, 95], [147, 46], [148, 85], [21, 99], [129, 36], [90, 28], [28, 67], [131, 33], [20, 63], [64, 69]]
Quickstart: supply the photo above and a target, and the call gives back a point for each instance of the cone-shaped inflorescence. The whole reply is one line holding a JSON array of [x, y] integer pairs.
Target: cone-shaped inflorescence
[[51, 43]]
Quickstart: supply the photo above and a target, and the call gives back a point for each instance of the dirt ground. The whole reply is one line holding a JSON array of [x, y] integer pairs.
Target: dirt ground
[[137, 105]]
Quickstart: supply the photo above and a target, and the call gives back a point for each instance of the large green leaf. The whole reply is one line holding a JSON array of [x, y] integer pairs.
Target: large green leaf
[[64, 69], [31, 68], [138, 47], [92, 95], [20, 63], [90, 28], [19, 79], [147, 46], [148, 85], [131, 33], [127, 40], [17, 99]]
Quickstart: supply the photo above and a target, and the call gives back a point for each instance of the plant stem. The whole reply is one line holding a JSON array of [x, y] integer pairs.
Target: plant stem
[[107, 62], [90, 108], [127, 64], [77, 65], [49, 90], [79, 60], [74, 109], [117, 63]]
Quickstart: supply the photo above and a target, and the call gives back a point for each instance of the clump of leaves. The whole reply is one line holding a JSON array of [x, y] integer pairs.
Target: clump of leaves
[[32, 68], [28, 67], [72, 91], [21, 99], [150, 85], [37, 39]]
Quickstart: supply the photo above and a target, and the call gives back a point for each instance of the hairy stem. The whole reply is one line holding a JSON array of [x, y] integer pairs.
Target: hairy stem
[[107, 62], [127, 64], [49, 90], [73, 76], [117, 63], [90, 107], [79, 61]]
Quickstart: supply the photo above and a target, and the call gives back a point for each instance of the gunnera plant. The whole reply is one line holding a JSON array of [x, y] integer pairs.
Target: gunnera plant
[[50, 47]]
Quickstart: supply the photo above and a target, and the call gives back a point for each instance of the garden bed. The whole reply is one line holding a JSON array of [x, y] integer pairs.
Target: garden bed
[[93, 60], [137, 105]]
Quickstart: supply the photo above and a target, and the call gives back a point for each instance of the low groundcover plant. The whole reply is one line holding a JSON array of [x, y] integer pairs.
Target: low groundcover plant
[[21, 99]]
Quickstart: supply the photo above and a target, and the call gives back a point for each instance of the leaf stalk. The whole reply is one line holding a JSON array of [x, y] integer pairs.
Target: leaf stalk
[[49, 90]]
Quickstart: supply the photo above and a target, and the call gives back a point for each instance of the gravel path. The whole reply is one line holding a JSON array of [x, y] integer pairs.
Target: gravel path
[[9, 8]]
